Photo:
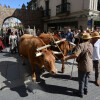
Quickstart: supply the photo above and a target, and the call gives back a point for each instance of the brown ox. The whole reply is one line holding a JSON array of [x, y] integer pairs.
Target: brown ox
[[64, 46], [28, 46]]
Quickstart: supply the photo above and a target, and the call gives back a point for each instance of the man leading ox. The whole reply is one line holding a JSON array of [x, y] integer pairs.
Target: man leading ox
[[83, 53]]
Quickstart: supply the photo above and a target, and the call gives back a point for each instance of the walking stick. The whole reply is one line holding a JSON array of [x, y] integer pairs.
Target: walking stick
[[72, 69]]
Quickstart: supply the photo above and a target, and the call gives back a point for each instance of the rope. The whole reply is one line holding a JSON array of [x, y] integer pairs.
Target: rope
[[63, 56], [72, 69], [59, 48]]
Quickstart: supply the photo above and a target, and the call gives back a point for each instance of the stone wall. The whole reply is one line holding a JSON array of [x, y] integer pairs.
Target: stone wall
[[27, 17]]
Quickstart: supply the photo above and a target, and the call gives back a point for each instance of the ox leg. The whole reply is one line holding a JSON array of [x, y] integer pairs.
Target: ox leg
[[42, 70], [63, 67], [34, 76], [33, 70]]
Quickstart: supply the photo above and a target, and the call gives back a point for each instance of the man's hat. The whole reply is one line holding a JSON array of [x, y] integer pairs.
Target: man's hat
[[95, 34], [86, 36]]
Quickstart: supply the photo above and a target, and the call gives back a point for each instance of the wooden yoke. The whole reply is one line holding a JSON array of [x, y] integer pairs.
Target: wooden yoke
[[46, 46]]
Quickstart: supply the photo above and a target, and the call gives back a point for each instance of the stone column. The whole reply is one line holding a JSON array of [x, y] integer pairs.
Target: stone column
[[91, 4], [95, 4]]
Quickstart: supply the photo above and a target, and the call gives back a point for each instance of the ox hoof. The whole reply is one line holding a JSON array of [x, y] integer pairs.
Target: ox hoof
[[34, 79], [63, 70], [97, 83]]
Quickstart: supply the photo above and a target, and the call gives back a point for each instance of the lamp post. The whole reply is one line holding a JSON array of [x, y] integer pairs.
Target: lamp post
[[92, 23]]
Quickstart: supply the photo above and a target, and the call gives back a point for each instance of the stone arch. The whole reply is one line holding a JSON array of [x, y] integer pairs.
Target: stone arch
[[27, 17], [13, 17]]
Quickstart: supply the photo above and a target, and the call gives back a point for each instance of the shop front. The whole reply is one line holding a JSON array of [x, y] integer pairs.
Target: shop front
[[63, 26]]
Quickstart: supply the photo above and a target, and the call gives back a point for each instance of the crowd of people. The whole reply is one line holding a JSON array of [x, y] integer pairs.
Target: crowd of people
[[74, 36], [10, 39]]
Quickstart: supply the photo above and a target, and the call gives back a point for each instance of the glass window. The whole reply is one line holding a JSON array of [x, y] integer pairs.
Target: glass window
[[64, 1], [98, 5]]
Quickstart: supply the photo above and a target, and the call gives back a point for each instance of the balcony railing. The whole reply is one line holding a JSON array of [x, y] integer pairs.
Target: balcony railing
[[63, 8], [47, 13]]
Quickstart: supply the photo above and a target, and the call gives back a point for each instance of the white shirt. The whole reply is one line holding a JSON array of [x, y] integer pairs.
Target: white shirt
[[12, 37], [96, 50]]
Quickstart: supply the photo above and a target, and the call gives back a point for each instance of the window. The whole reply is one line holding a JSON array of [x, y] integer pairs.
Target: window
[[98, 5], [64, 6], [64, 1], [47, 4]]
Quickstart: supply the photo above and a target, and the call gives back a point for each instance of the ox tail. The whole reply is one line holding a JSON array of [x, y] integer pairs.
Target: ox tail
[[19, 43]]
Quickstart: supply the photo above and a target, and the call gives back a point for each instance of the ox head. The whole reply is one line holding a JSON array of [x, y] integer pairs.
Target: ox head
[[48, 60], [66, 46]]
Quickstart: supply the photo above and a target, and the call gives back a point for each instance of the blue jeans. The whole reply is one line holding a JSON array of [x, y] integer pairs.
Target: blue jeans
[[83, 81]]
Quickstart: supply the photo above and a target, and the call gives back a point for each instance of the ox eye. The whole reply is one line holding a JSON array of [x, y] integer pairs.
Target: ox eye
[[45, 61]]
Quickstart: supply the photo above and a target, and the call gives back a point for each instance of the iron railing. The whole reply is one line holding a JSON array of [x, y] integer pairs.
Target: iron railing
[[63, 8]]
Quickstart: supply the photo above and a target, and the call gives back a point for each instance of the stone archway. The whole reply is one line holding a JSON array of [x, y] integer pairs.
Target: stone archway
[[12, 17], [27, 17]]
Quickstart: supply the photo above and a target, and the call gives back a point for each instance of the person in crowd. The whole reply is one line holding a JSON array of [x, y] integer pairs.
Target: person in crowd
[[7, 37], [38, 32], [56, 33], [59, 34], [4, 38], [81, 29], [80, 35], [76, 37], [17, 40], [20, 32], [62, 34], [96, 56], [69, 35], [83, 53], [1, 44], [12, 42], [53, 33], [89, 31]]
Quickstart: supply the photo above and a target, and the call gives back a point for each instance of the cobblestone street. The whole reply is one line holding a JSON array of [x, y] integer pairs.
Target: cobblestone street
[[16, 84]]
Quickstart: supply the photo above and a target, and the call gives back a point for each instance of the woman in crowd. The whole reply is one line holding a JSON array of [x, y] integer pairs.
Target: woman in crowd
[[1, 44], [12, 42]]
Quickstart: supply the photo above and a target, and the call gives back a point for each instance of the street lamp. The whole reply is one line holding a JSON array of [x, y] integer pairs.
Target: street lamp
[[92, 23]]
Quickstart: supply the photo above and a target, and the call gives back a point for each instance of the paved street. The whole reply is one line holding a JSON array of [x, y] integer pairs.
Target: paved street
[[16, 84]]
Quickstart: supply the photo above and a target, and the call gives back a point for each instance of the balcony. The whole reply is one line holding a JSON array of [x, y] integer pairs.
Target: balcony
[[63, 8], [46, 13]]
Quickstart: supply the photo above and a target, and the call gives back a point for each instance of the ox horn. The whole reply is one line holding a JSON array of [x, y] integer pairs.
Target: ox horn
[[55, 52], [64, 39], [38, 54], [72, 43], [46, 46]]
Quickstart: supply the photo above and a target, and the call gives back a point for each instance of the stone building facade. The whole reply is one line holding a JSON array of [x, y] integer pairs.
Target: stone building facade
[[61, 14]]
